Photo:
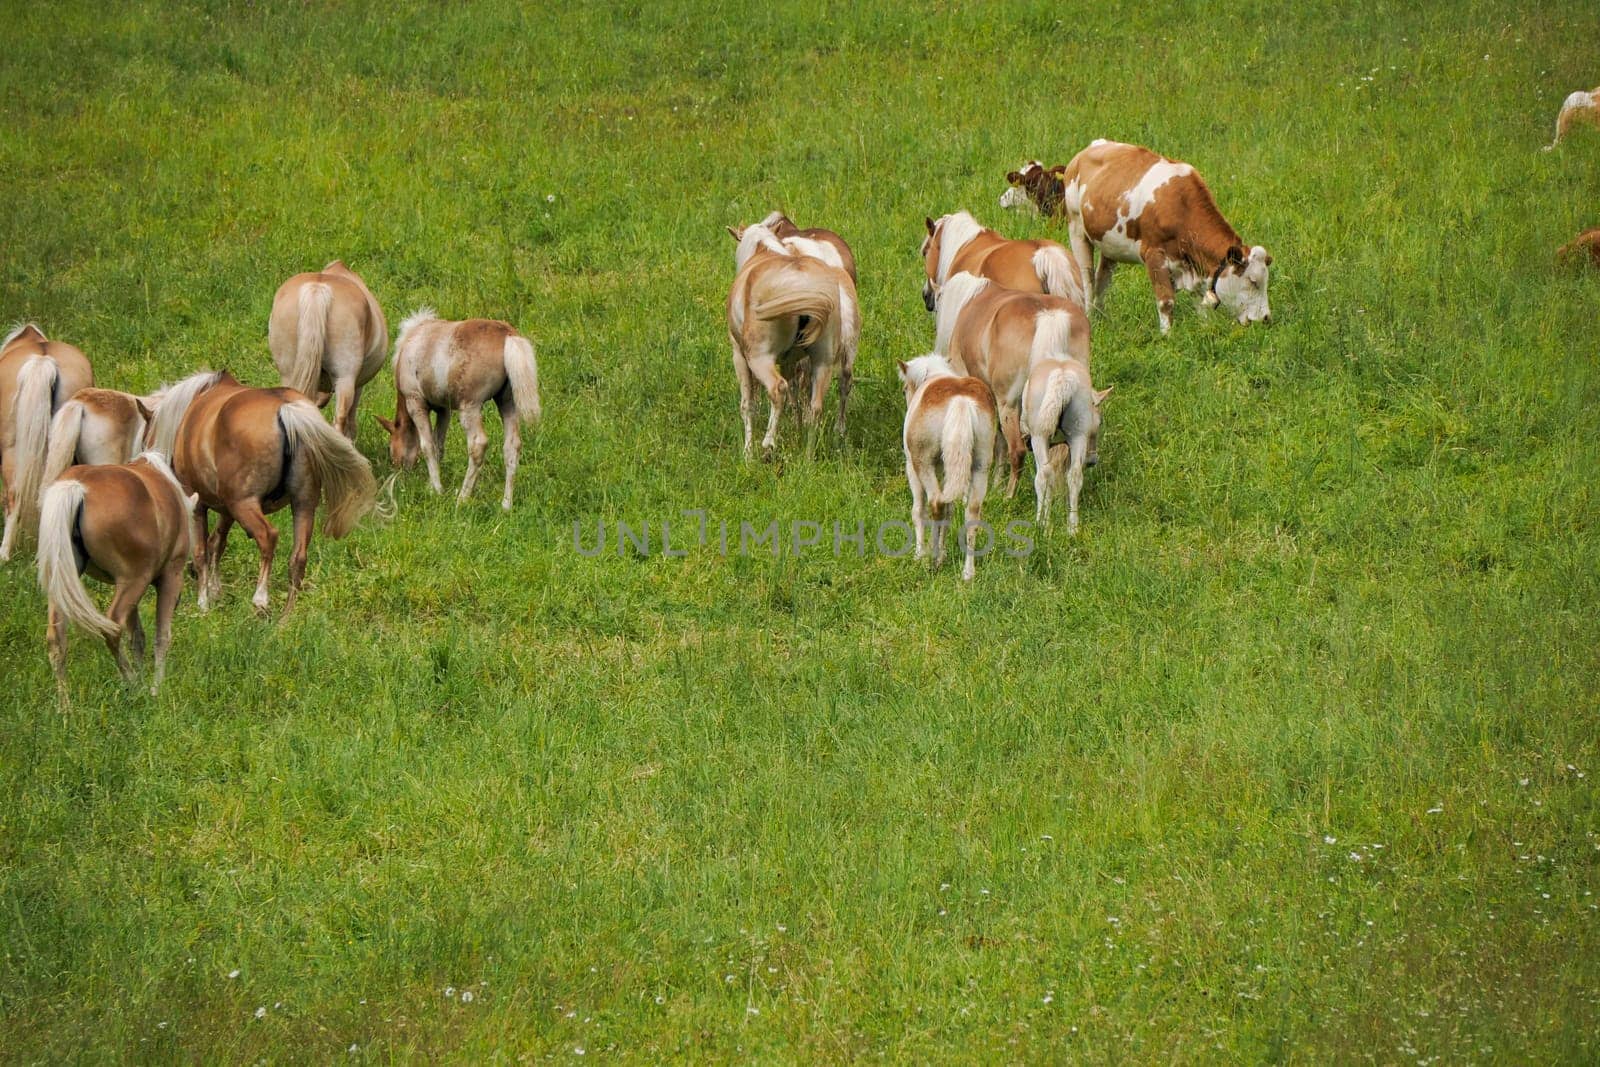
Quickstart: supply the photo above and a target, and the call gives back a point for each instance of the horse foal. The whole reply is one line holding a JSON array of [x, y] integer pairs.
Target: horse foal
[[949, 420], [127, 524], [440, 366], [1059, 397], [97, 426]]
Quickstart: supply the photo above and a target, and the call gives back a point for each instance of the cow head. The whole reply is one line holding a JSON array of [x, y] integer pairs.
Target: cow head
[[1035, 188], [1239, 285]]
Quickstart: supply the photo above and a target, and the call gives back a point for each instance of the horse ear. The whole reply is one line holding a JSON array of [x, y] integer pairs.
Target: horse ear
[[929, 223], [194, 501], [388, 427], [1101, 394], [144, 412], [901, 364], [736, 234]]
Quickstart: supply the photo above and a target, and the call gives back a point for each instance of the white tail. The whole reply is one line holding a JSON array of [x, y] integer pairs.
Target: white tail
[[348, 489], [63, 449], [162, 433], [58, 566], [311, 333], [36, 387], [816, 298], [1052, 336], [523, 372], [1058, 392], [955, 447], [954, 295], [1058, 273]]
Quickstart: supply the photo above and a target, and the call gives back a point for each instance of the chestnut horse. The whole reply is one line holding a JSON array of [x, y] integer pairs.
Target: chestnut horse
[[327, 335], [127, 524], [248, 452], [37, 375], [97, 426], [957, 243]]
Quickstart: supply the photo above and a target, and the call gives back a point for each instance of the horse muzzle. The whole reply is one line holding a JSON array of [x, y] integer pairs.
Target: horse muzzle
[[929, 301]]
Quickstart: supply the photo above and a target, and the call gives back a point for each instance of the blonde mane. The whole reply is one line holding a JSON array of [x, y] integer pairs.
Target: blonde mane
[[955, 233], [16, 331]]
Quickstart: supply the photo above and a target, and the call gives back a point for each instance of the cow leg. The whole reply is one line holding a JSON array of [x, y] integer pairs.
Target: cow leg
[[247, 511], [1083, 253], [1155, 262], [1102, 278], [747, 388], [168, 590], [510, 445], [477, 448], [304, 510], [419, 418]]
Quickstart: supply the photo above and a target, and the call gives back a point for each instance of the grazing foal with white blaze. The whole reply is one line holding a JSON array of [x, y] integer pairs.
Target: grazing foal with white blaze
[[786, 309], [37, 376], [1060, 398], [127, 524], [949, 422], [957, 243], [328, 336], [441, 367], [1134, 206]]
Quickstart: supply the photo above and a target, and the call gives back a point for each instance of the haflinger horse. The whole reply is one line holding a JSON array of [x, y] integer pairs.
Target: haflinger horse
[[248, 452], [1060, 398], [442, 366], [127, 524], [1134, 206], [1582, 106], [949, 422], [997, 335], [787, 307], [815, 241], [957, 243], [37, 376], [97, 426], [328, 336]]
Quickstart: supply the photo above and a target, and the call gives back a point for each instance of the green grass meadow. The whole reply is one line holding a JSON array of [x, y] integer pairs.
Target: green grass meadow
[[1290, 755]]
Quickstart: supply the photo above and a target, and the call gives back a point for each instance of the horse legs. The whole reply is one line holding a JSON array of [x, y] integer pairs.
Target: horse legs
[[56, 640], [477, 448], [919, 504], [13, 505], [346, 396], [976, 488], [1042, 478], [510, 446], [741, 370], [419, 418], [821, 376], [304, 511], [1079, 447], [1016, 451], [125, 603], [247, 512], [168, 590], [134, 628], [441, 429], [765, 370], [847, 381], [200, 535]]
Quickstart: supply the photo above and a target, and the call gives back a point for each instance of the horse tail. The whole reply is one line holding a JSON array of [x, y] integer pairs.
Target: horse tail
[[955, 447], [348, 488], [36, 389], [1058, 273], [817, 298], [523, 372], [1052, 336], [61, 507], [311, 332], [1059, 390], [954, 295], [161, 434], [65, 430]]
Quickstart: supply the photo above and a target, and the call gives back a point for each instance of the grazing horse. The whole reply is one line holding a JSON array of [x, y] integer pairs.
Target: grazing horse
[[1060, 398], [1581, 106], [1135, 206], [824, 244], [327, 335], [956, 243], [997, 335], [37, 375], [440, 366], [247, 452], [97, 426], [1586, 244], [784, 307], [949, 420], [1036, 189], [127, 524]]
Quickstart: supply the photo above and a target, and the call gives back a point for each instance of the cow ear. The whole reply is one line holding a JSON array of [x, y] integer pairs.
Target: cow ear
[[388, 427], [928, 222], [1013, 177], [1235, 255], [1059, 170]]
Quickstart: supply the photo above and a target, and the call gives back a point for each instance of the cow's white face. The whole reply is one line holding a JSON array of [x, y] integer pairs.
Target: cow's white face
[[1242, 288], [1016, 197]]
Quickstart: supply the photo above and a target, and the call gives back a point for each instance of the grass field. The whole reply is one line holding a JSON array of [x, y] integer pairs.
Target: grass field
[[1290, 755]]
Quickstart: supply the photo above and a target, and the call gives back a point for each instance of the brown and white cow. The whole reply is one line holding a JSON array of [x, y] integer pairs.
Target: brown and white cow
[[1581, 106], [1585, 245], [957, 243], [1036, 189], [815, 241], [1135, 206]]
